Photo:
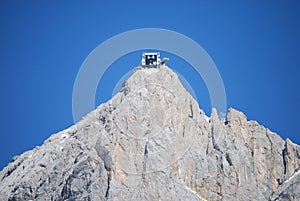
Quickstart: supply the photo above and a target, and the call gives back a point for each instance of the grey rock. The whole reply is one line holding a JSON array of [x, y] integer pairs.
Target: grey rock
[[288, 190], [151, 141]]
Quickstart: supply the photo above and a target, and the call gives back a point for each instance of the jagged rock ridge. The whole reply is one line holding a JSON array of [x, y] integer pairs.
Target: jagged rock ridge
[[152, 142]]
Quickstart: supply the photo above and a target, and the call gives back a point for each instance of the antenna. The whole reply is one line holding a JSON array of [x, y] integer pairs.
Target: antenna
[[164, 61]]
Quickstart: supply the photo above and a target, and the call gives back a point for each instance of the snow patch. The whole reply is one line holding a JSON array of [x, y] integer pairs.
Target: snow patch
[[207, 118], [64, 135]]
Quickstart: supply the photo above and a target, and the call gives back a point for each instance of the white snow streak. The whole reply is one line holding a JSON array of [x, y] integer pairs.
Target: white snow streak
[[195, 193], [289, 179]]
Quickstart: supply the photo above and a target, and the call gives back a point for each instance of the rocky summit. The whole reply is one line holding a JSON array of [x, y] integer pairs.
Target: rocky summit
[[151, 141]]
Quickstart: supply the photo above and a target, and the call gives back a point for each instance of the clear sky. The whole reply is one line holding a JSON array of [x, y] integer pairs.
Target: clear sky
[[255, 46]]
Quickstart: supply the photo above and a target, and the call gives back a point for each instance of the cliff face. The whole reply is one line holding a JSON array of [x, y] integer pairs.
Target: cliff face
[[152, 142]]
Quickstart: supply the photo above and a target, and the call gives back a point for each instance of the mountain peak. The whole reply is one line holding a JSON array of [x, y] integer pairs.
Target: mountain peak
[[160, 77], [151, 141]]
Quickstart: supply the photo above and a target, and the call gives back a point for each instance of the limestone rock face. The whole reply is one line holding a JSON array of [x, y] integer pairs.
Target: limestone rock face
[[151, 141]]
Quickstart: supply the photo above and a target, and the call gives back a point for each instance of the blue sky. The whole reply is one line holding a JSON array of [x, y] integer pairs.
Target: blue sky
[[255, 46]]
